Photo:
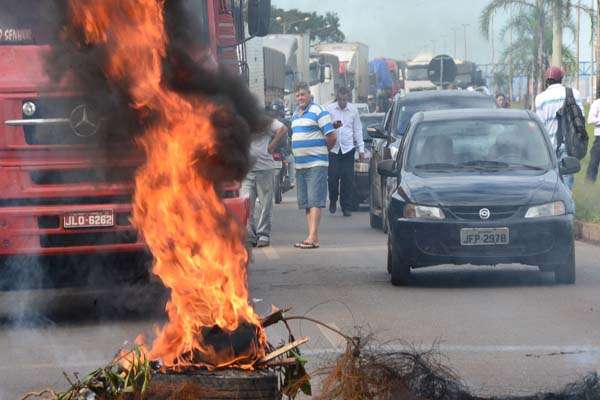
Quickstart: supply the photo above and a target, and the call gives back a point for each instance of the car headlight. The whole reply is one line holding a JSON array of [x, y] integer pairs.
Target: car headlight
[[423, 212], [546, 210]]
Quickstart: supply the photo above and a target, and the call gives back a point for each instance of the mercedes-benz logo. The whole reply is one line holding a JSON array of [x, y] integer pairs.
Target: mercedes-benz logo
[[81, 122], [484, 213]]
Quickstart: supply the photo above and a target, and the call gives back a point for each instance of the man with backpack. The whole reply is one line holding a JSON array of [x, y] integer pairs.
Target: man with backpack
[[561, 111]]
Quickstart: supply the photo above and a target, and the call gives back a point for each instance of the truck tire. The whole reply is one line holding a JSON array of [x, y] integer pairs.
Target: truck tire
[[399, 270], [564, 274]]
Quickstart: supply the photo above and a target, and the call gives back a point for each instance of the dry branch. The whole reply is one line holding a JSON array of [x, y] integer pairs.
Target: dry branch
[[282, 350]]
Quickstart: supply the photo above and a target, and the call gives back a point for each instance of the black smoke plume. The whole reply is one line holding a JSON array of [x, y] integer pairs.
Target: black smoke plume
[[188, 69]]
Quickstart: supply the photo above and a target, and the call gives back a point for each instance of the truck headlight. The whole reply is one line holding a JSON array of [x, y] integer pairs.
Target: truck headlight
[[29, 108], [423, 212], [546, 210]]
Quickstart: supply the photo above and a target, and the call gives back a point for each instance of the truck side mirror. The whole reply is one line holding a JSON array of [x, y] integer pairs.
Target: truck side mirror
[[259, 17]]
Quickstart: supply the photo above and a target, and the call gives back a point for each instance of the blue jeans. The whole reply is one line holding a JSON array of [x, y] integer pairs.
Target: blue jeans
[[311, 184]]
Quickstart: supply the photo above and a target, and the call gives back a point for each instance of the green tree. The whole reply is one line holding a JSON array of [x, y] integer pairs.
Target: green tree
[[322, 28], [536, 44]]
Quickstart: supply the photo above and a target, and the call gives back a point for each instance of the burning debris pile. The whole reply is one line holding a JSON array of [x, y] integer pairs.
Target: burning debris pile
[[195, 136]]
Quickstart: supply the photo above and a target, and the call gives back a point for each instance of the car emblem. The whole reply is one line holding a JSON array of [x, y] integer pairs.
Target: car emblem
[[484, 213], [81, 123]]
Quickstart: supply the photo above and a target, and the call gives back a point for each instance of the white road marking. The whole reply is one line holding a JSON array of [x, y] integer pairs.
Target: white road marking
[[336, 341], [442, 349], [445, 348], [270, 253]]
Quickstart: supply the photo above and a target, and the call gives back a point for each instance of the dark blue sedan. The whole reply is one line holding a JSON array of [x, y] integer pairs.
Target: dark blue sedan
[[479, 187]]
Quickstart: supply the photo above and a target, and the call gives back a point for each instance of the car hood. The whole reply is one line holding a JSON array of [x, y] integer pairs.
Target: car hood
[[519, 188]]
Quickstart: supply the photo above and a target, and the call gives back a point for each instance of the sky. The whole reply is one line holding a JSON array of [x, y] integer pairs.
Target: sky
[[403, 28]]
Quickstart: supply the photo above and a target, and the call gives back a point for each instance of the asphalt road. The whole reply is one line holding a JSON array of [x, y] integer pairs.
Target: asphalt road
[[503, 330]]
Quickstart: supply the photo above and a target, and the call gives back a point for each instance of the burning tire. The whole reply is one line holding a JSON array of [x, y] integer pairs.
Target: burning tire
[[219, 385]]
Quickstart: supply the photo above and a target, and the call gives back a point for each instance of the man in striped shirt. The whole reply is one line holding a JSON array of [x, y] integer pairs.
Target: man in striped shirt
[[312, 137]]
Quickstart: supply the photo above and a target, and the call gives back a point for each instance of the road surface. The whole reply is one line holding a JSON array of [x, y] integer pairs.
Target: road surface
[[504, 330]]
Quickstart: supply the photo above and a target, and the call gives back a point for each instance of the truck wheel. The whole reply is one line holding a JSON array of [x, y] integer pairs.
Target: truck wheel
[[277, 188], [399, 270], [564, 274]]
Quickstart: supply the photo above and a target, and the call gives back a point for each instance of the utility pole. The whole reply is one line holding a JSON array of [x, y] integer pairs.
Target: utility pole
[[465, 31], [577, 49], [493, 52], [454, 54], [510, 62], [597, 49]]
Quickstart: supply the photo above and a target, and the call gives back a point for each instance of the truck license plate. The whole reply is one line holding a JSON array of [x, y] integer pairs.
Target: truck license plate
[[89, 219], [484, 236]]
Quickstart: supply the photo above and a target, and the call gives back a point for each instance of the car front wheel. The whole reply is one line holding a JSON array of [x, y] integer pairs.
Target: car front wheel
[[564, 274], [397, 267]]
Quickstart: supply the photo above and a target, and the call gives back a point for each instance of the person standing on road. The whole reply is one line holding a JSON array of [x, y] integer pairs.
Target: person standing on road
[[259, 183], [312, 137], [594, 119], [349, 135], [548, 103]]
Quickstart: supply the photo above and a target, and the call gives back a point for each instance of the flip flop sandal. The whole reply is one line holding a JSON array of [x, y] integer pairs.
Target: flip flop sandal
[[306, 245]]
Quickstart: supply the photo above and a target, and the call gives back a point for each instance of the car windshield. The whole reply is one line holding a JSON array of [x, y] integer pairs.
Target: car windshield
[[366, 121], [28, 22], [481, 144], [407, 110]]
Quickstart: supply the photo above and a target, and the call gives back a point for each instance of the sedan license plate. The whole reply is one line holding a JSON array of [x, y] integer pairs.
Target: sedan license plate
[[484, 236], [89, 219]]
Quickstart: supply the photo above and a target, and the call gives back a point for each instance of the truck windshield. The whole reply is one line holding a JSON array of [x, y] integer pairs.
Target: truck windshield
[[28, 22], [417, 74]]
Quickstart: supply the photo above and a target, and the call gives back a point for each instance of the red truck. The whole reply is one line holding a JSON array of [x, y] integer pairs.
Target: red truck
[[53, 201]]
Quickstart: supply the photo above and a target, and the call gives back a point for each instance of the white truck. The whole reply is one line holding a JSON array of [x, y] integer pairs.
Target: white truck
[[417, 75], [301, 66], [353, 66], [266, 71]]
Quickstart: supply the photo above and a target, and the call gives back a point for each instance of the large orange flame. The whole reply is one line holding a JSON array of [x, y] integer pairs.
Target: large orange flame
[[196, 244]]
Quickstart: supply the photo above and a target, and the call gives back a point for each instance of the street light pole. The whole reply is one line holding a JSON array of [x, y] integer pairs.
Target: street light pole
[[465, 31], [454, 30]]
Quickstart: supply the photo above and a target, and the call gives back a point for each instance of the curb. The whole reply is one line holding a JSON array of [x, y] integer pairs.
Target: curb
[[587, 232]]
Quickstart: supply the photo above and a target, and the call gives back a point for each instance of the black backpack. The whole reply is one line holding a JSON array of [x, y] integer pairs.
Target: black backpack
[[571, 128]]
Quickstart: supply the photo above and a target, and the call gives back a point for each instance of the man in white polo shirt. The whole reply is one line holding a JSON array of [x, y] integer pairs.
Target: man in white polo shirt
[[341, 156]]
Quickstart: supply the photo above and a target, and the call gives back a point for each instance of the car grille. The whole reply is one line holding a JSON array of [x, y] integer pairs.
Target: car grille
[[497, 213]]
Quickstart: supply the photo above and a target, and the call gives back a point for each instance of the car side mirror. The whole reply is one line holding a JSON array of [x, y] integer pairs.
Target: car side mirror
[[569, 166], [387, 168], [376, 131], [259, 17]]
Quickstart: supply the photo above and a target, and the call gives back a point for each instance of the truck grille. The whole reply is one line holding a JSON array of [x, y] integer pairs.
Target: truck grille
[[62, 134], [88, 239], [472, 212]]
